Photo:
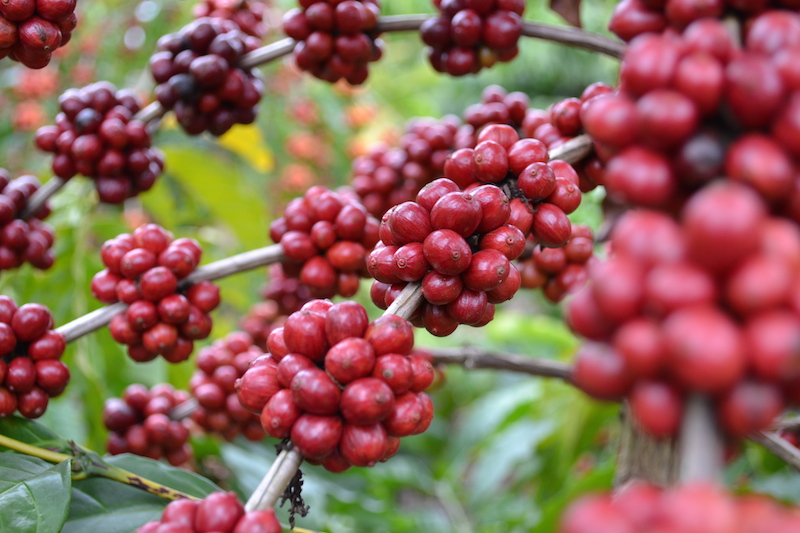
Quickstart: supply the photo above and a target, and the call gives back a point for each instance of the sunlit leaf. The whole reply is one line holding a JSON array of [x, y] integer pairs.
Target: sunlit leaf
[[34, 494]]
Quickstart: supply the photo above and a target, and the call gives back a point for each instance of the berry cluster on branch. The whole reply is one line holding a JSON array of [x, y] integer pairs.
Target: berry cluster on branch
[[710, 305], [31, 371], [219, 512], [23, 241], [139, 423], [458, 245], [469, 35], [247, 14], [342, 389], [635, 17], [497, 106], [688, 112], [96, 135], [326, 236], [547, 190], [559, 271], [198, 77], [31, 30], [336, 40], [388, 176], [143, 270], [560, 123], [213, 385]]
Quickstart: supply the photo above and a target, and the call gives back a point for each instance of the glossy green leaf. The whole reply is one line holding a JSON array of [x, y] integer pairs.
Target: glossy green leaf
[[34, 494], [100, 504], [30, 432]]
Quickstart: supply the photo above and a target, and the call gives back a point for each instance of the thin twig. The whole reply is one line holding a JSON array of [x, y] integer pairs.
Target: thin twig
[[235, 264], [184, 410], [789, 422], [219, 269], [265, 54], [700, 447], [151, 112], [38, 198], [574, 37], [574, 150], [275, 481], [779, 446], [407, 301], [90, 322], [401, 23], [472, 357]]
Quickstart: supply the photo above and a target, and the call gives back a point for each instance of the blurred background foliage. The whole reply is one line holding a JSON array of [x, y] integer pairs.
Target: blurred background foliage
[[505, 452]]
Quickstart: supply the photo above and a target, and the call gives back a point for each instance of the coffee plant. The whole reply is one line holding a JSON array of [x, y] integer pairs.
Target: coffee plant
[[569, 307]]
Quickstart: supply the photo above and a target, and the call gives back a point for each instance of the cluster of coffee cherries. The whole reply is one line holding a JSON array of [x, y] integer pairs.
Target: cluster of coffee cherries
[[335, 39], [247, 14], [683, 509], [660, 135], [559, 271], [23, 241], [386, 177], [198, 77], [326, 236], [459, 245], [635, 17], [219, 512], [31, 371], [710, 305], [561, 122], [143, 270], [497, 106], [213, 386], [287, 292], [31, 30], [140, 423], [470, 35], [547, 190], [343, 389], [95, 135]]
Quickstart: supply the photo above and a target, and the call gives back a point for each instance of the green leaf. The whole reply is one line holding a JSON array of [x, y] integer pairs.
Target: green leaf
[[30, 432], [34, 495], [100, 504], [208, 179]]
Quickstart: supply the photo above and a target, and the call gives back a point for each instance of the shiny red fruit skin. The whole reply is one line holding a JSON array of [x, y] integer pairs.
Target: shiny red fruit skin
[[366, 401], [363, 445], [315, 392], [447, 252], [219, 511], [316, 436]]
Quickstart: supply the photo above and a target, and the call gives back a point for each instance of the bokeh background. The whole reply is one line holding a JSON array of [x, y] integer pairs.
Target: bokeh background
[[505, 452]]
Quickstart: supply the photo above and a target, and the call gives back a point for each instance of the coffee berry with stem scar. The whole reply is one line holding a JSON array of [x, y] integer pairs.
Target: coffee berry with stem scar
[[344, 390]]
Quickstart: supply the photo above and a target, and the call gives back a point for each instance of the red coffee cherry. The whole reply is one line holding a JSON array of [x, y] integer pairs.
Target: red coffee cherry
[[316, 436], [313, 391], [366, 401]]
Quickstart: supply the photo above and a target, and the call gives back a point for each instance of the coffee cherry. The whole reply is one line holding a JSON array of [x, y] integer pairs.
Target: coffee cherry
[[405, 416], [350, 359], [31, 321], [314, 391], [601, 372], [316, 436], [219, 511], [32, 403], [366, 401]]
